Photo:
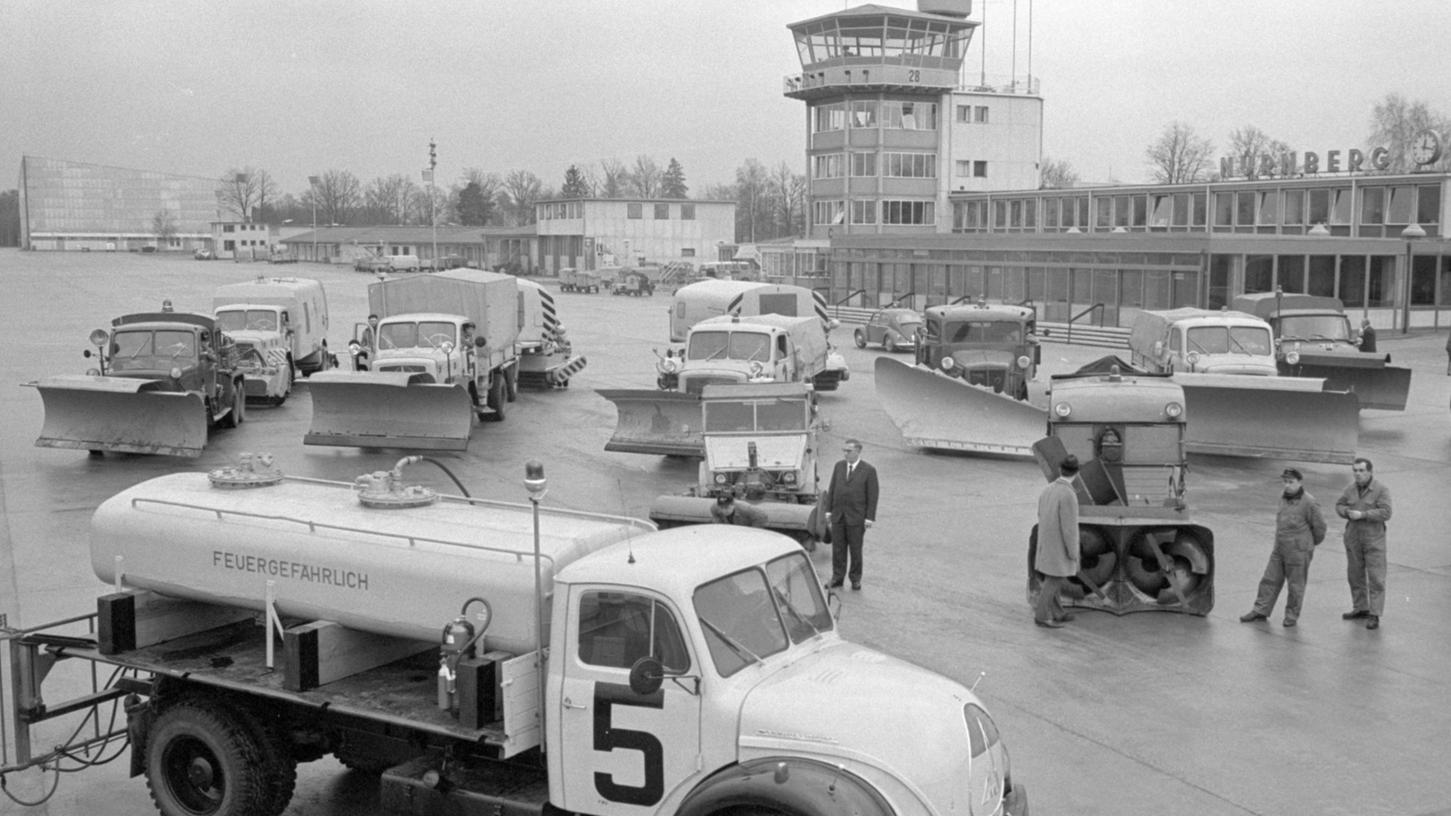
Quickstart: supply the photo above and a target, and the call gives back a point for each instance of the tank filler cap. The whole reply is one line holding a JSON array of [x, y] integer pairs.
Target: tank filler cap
[[251, 470], [384, 490]]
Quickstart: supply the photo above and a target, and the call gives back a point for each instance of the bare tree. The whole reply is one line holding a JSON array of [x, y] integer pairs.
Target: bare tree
[[1255, 154], [1056, 174], [245, 191], [613, 176], [389, 199], [1398, 122], [521, 189], [788, 201], [163, 225], [339, 195], [751, 201], [645, 177], [1180, 156]]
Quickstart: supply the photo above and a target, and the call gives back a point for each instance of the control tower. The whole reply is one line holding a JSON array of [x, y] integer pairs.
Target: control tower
[[891, 132]]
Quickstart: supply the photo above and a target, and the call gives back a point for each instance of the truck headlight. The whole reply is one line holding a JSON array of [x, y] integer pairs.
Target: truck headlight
[[789, 477], [669, 366], [1193, 358], [757, 368], [1062, 409], [175, 372], [1173, 410], [948, 363], [1292, 357], [721, 478], [1024, 361]]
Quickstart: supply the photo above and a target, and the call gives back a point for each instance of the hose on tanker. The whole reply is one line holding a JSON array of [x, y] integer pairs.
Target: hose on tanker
[[441, 466], [52, 760]]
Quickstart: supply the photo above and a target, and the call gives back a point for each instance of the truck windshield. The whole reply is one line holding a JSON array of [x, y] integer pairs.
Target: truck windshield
[[739, 345], [151, 350], [758, 612], [1315, 327], [1234, 339], [426, 334], [999, 331], [247, 320], [755, 415]]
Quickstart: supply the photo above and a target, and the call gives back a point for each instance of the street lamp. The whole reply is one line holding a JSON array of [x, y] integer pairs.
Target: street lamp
[[313, 181], [537, 485], [1412, 234]]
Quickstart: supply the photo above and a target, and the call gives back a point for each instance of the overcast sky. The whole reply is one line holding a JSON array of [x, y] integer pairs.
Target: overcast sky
[[299, 88]]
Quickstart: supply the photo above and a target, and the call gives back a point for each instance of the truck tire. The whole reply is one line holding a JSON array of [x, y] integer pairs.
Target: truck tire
[[496, 399], [511, 384], [237, 415], [204, 762], [860, 338], [277, 760]]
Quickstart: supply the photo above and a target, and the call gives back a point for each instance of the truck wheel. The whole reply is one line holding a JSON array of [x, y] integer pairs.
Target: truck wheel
[[860, 337], [496, 400], [511, 384], [236, 416], [201, 762], [277, 759]]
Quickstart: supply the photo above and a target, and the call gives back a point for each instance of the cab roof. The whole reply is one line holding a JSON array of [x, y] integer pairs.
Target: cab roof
[[981, 311], [678, 560]]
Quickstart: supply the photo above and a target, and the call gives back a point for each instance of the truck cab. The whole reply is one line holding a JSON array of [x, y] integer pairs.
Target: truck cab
[[180, 351], [766, 348], [290, 314], [1304, 325], [680, 689], [1202, 341], [760, 442], [992, 345], [439, 345]]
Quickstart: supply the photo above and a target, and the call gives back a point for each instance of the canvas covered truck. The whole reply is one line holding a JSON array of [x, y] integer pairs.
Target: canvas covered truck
[[1313, 338], [1139, 548], [993, 346], [724, 350], [162, 381], [716, 298], [760, 446], [444, 352], [546, 354], [480, 657], [272, 314]]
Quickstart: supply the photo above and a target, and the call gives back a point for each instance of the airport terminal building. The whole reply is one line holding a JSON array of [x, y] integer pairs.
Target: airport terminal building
[[923, 189]]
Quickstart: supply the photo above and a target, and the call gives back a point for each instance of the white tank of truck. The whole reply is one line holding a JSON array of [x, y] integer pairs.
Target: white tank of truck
[[714, 298], [401, 563]]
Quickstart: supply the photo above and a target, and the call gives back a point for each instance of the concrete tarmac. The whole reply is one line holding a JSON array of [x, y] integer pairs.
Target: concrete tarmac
[[1142, 714]]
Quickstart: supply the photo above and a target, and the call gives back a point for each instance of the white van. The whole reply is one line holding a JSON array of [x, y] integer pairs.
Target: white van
[[286, 313], [1202, 341], [403, 262]]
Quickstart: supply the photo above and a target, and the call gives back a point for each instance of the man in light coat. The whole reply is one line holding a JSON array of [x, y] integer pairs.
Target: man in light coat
[[1057, 554], [851, 507]]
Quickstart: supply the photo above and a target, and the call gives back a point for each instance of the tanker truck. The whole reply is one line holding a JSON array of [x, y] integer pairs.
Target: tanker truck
[[162, 381], [1313, 338], [726, 350], [1139, 549], [255, 621], [444, 352]]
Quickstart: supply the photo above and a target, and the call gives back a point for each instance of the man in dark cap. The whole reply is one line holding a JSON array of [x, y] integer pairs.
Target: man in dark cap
[[1299, 526], [1057, 554], [727, 511]]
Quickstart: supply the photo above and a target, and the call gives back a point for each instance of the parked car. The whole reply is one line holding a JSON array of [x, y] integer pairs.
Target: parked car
[[204, 255], [894, 329], [372, 263], [633, 282]]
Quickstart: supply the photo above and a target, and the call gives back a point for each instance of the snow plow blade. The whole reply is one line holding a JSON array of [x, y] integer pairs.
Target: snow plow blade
[[665, 423], [1374, 383], [388, 409], [1269, 417], [800, 521], [120, 414], [935, 411]]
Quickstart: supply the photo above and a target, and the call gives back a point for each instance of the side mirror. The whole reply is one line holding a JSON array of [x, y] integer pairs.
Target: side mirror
[[646, 676]]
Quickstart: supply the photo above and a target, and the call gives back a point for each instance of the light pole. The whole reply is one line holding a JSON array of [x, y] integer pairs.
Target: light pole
[[433, 201], [1412, 234], [312, 182], [537, 485]]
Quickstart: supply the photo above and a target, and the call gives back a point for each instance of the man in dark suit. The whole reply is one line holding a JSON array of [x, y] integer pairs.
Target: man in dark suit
[[851, 507]]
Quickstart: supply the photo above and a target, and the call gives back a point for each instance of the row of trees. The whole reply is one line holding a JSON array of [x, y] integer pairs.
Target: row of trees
[[1181, 155], [771, 203]]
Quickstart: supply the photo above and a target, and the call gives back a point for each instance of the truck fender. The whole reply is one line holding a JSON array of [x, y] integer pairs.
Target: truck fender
[[791, 786]]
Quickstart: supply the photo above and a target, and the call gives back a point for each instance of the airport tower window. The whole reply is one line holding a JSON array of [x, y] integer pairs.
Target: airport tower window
[[908, 212], [864, 113], [863, 212], [1428, 205], [864, 165], [826, 118], [909, 115], [910, 165], [687, 212], [826, 166], [828, 212], [662, 212], [1402, 205], [1379, 283], [635, 210], [1372, 209], [1294, 214]]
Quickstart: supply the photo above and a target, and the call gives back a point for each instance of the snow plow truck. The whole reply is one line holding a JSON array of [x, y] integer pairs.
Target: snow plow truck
[[444, 352], [163, 380]]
